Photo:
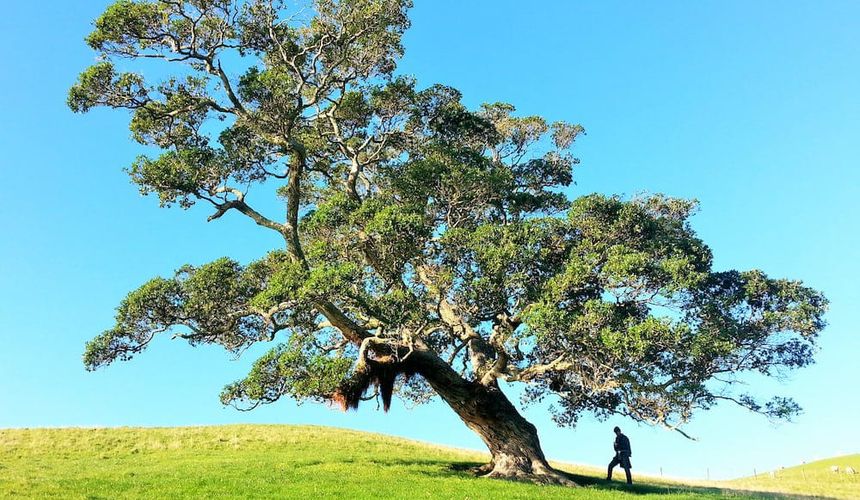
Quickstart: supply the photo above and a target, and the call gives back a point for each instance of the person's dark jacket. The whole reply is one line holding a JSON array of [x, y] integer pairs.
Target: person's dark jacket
[[622, 445]]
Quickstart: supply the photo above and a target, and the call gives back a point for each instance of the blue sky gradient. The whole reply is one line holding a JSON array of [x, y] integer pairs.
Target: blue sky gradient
[[751, 107]]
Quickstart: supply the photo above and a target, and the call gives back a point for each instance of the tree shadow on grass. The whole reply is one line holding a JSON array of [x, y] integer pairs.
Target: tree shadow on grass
[[441, 468], [464, 469]]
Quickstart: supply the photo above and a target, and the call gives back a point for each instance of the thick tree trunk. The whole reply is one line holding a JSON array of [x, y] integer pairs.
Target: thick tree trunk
[[512, 440]]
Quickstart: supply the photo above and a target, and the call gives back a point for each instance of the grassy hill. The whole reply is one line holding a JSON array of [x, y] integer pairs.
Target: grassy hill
[[255, 461], [814, 478]]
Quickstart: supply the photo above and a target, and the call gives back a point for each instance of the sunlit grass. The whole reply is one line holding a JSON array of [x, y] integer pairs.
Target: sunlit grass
[[257, 461], [815, 478]]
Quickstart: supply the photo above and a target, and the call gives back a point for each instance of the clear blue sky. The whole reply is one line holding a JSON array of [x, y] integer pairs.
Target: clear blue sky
[[751, 107]]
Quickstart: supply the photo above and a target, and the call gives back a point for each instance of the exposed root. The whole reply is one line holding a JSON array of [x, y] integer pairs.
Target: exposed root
[[483, 469], [540, 474]]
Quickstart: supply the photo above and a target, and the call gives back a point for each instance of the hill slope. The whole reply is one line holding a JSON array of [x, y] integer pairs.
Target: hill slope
[[254, 461], [814, 478]]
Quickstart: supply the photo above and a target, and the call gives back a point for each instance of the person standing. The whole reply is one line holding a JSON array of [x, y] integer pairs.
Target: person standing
[[622, 456]]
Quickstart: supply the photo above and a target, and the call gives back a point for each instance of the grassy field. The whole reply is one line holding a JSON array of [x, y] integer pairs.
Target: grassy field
[[814, 478], [254, 461]]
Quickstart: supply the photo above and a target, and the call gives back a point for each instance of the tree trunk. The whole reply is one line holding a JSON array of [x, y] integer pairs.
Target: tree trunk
[[512, 440]]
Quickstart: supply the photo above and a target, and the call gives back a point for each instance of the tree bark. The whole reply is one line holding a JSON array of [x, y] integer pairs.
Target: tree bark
[[512, 440]]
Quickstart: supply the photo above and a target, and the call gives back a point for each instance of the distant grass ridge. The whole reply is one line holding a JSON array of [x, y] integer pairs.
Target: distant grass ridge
[[278, 461], [813, 478]]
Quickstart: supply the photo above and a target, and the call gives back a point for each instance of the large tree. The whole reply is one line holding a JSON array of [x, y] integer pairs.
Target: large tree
[[428, 247]]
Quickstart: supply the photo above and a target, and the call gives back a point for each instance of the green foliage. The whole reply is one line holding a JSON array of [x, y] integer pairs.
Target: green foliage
[[100, 85], [151, 308], [637, 294], [206, 304], [270, 93], [128, 23], [176, 119], [414, 223], [398, 308], [331, 213], [129, 28], [179, 176], [288, 369], [400, 232], [332, 279], [499, 264], [285, 282], [377, 26]]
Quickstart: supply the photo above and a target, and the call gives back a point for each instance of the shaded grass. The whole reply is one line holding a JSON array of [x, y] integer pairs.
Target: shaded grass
[[273, 461]]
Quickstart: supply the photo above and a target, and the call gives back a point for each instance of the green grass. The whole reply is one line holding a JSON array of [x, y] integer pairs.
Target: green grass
[[814, 478], [255, 461]]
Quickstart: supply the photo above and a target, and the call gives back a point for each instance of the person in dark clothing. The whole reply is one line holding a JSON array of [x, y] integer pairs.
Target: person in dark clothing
[[622, 456]]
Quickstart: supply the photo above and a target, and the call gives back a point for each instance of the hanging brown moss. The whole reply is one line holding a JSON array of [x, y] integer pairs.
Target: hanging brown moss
[[381, 374]]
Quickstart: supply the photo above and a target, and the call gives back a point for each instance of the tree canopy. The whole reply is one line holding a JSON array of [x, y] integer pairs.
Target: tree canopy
[[427, 245]]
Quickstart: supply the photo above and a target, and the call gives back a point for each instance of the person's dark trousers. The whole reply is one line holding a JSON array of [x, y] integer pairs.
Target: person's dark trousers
[[624, 462]]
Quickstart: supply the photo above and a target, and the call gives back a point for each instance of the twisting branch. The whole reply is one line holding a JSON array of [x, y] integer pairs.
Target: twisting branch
[[557, 365], [240, 205], [228, 88]]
